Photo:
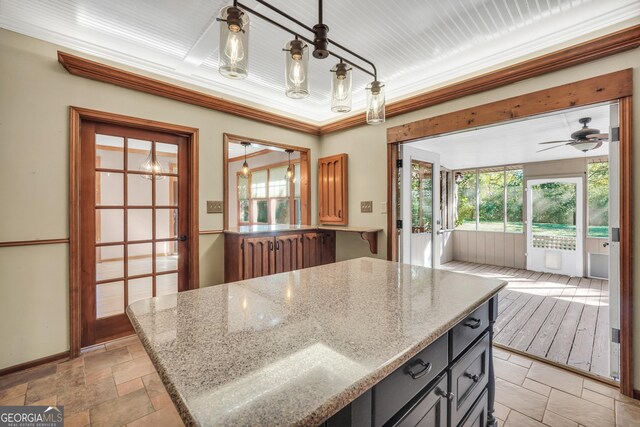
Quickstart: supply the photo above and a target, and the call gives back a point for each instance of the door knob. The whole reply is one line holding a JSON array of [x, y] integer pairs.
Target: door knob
[[183, 238], [446, 395], [605, 244]]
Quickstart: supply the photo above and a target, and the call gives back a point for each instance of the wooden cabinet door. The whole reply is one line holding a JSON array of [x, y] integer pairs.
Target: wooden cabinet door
[[312, 244], [288, 253], [257, 257], [332, 189]]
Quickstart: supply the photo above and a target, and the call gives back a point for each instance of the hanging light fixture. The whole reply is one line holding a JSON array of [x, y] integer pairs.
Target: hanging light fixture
[[296, 69], [245, 166], [289, 174], [151, 167], [375, 103], [341, 88], [233, 52], [459, 178]]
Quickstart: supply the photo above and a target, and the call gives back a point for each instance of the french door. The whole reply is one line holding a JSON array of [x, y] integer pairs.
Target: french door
[[420, 207], [555, 245], [134, 199]]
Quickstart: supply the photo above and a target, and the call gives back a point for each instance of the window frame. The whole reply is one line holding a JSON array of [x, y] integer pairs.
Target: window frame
[[477, 172], [291, 197]]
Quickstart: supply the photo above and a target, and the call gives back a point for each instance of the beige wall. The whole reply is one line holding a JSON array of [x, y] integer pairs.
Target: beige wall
[[366, 147], [35, 95]]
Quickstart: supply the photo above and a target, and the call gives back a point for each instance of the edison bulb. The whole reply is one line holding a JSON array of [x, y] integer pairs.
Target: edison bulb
[[296, 72], [341, 90], [234, 49]]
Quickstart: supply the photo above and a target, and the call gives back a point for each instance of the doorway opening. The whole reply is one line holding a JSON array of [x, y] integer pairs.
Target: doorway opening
[[539, 218], [133, 219]]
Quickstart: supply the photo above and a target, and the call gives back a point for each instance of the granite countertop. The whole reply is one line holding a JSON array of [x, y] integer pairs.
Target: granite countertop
[[294, 348], [254, 229]]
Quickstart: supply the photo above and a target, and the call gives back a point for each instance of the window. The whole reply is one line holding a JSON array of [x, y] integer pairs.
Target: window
[[598, 199], [267, 197], [491, 200], [421, 197], [514, 193], [466, 196], [493, 196]]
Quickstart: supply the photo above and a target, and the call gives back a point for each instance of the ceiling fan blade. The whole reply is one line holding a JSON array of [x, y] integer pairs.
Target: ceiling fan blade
[[556, 142], [602, 136], [550, 148]]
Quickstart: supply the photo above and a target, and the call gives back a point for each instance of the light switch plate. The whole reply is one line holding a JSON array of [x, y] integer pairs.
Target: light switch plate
[[214, 206], [366, 207], [383, 207]]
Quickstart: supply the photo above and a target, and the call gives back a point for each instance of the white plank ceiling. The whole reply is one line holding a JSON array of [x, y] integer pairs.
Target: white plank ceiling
[[416, 44], [517, 141]]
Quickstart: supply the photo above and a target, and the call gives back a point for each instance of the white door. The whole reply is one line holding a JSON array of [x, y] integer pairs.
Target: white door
[[420, 207], [555, 245], [614, 241]]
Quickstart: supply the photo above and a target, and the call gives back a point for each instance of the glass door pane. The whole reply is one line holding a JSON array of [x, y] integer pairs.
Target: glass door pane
[[141, 211], [554, 216]]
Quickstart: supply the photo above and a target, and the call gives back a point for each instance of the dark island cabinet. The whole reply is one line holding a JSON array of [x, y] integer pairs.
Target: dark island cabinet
[[247, 256], [450, 383]]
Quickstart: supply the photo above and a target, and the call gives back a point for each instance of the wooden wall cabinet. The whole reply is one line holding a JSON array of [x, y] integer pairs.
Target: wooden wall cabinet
[[332, 190], [261, 254]]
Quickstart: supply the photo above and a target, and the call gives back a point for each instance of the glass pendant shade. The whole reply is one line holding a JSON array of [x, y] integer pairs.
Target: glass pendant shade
[[151, 166], [341, 88], [375, 103], [296, 71], [245, 169], [233, 52], [585, 146]]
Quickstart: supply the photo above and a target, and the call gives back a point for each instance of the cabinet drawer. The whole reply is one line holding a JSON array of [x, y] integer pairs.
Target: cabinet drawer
[[393, 392], [478, 415], [468, 330], [469, 377], [429, 410]]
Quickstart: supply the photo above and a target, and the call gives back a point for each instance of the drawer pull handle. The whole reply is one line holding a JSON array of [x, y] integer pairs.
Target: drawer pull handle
[[448, 396], [473, 323], [426, 368], [475, 378]]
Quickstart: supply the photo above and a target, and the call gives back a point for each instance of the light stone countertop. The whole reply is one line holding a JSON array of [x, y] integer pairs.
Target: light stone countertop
[[294, 348]]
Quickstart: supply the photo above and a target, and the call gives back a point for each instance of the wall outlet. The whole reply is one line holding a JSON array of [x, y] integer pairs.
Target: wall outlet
[[366, 207], [214, 206]]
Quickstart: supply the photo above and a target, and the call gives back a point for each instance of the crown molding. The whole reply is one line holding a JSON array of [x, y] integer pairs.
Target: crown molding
[[610, 44], [83, 67]]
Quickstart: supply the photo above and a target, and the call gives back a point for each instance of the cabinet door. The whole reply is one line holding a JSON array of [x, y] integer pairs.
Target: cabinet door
[[288, 255], [332, 189], [430, 410], [312, 249], [257, 256]]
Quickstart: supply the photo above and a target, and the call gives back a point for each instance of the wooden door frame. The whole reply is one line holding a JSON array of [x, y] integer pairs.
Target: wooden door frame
[[612, 87], [77, 115], [305, 169]]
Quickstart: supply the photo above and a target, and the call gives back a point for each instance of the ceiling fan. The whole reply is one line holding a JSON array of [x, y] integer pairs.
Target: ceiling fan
[[583, 140]]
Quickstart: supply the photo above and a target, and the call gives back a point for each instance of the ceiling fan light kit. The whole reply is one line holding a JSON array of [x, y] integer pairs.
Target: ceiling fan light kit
[[585, 139], [233, 55]]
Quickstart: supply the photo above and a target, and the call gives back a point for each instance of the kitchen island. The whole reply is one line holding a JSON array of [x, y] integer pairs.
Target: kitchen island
[[361, 342]]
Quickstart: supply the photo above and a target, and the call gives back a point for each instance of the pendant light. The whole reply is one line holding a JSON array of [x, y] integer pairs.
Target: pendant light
[[233, 52], [151, 167], [375, 103], [233, 57], [341, 88], [296, 70], [289, 174], [245, 166]]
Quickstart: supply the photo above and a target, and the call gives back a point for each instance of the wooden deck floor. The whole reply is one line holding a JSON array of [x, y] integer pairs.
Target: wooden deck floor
[[559, 318]]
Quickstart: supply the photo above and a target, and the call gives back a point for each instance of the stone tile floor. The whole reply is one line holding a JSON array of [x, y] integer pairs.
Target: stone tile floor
[[116, 385]]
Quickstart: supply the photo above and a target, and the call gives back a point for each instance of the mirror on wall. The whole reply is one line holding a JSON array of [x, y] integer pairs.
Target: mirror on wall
[[266, 183]]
